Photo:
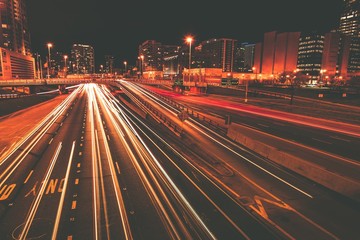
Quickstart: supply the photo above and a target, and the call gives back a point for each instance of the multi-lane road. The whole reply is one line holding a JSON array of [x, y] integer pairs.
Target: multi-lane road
[[102, 166]]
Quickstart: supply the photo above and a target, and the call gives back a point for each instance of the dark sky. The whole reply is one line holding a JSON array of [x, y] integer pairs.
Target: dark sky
[[117, 27]]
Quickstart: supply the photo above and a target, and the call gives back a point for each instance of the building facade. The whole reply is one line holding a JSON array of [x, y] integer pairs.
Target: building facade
[[311, 47], [152, 60], [277, 53], [16, 65], [14, 31], [350, 26], [109, 64], [219, 53], [82, 59]]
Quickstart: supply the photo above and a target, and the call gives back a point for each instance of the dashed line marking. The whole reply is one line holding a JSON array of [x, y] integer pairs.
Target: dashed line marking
[[51, 140], [321, 141], [28, 176], [80, 153], [73, 205], [81, 144], [76, 181], [70, 237], [108, 137], [117, 167], [78, 165], [341, 139], [61, 124]]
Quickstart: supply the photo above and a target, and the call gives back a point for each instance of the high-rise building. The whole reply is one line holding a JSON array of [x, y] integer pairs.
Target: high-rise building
[[14, 32], [153, 58], [336, 54], [350, 26], [219, 53], [279, 53], [311, 47], [249, 51], [109, 64], [82, 59]]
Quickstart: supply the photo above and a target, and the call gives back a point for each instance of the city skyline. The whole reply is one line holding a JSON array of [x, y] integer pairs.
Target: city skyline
[[111, 30]]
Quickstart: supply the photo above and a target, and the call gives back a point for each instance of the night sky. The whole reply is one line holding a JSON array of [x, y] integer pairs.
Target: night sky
[[117, 27]]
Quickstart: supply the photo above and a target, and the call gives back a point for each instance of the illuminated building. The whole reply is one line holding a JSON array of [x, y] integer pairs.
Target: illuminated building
[[219, 53], [278, 53], [14, 35], [336, 54], [311, 47], [82, 59], [109, 64], [15, 65], [350, 26], [153, 58]]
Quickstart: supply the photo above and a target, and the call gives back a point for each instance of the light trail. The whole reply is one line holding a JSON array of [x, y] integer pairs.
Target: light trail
[[45, 126], [62, 198], [36, 202]]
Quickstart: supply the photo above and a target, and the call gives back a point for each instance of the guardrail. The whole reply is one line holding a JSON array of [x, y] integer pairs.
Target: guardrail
[[52, 81], [9, 95]]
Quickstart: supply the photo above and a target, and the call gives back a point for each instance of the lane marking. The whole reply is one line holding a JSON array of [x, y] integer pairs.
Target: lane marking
[[51, 140], [78, 165], [117, 167], [28, 176], [76, 181], [341, 139], [73, 205], [108, 137], [263, 125], [80, 153], [70, 237], [319, 140]]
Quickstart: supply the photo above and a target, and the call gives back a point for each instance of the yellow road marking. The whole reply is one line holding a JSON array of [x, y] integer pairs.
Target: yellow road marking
[[73, 205], [28, 176]]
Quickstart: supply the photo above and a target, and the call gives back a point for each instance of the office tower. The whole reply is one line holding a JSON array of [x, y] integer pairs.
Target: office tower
[[109, 64], [279, 52], [311, 47], [350, 26], [14, 32], [82, 59], [219, 53], [151, 51]]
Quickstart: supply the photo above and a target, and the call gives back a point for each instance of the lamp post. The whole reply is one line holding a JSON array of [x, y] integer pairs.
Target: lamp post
[[142, 65], [65, 70], [189, 40], [49, 45], [125, 63]]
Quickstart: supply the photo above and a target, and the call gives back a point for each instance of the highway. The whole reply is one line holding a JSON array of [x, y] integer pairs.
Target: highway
[[304, 131], [95, 168]]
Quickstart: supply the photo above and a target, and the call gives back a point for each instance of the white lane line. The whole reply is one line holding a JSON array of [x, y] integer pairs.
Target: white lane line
[[51, 140], [27, 179], [321, 141], [62, 198], [117, 167], [341, 139], [108, 137], [37, 200], [263, 125]]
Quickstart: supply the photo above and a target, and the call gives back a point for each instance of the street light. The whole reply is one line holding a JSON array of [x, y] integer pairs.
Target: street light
[[49, 45], [65, 58], [189, 40], [125, 63]]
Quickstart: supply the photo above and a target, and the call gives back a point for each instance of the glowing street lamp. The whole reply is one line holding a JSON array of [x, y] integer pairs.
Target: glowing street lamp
[[65, 58], [189, 40], [125, 63], [141, 64], [49, 45]]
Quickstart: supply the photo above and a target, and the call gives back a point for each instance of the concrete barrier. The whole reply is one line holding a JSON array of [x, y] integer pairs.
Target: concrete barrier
[[317, 173]]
